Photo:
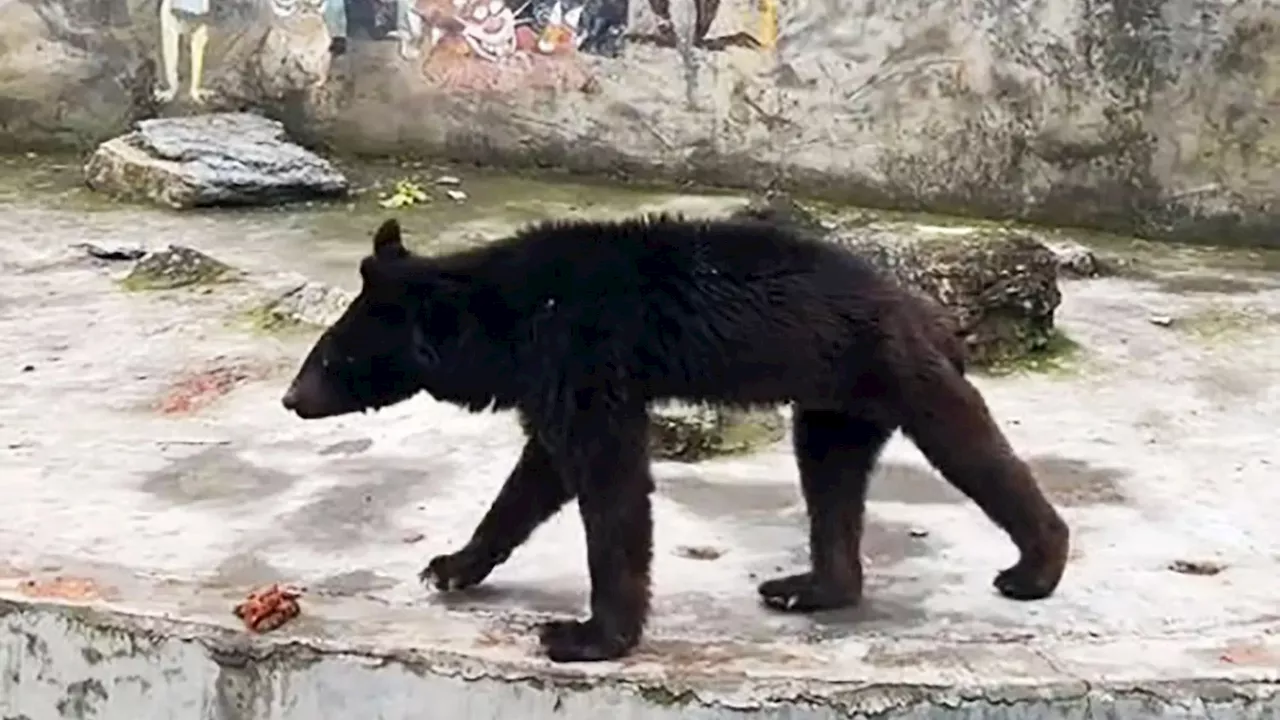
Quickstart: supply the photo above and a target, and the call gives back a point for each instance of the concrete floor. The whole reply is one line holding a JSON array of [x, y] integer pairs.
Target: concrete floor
[[1158, 442]]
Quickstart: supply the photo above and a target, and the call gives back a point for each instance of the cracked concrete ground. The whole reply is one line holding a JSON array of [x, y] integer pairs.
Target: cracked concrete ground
[[1157, 441]]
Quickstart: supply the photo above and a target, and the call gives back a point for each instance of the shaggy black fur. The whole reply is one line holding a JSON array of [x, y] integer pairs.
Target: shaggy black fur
[[580, 325]]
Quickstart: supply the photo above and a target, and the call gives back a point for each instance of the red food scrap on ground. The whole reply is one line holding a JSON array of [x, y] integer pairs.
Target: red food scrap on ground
[[268, 608], [197, 390], [61, 587], [1249, 654]]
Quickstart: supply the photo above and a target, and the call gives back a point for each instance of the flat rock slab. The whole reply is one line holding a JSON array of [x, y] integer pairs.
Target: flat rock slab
[[211, 160]]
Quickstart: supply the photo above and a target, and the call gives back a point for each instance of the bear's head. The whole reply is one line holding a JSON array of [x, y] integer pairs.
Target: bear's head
[[375, 354]]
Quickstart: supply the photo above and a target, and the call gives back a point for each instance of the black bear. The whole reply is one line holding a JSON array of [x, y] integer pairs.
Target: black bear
[[580, 325]]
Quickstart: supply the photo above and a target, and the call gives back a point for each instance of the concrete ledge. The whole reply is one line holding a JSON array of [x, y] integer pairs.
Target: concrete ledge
[[76, 661]]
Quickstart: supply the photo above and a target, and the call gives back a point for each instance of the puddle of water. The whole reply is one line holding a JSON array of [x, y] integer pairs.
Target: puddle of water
[[1066, 481], [723, 499], [912, 484], [1076, 483], [348, 447]]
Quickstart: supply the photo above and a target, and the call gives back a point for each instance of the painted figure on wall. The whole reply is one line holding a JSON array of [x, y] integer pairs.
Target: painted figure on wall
[[179, 18], [705, 12], [369, 19], [488, 45], [595, 27]]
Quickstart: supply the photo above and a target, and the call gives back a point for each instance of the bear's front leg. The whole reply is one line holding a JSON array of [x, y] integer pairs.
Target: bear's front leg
[[532, 493], [614, 484]]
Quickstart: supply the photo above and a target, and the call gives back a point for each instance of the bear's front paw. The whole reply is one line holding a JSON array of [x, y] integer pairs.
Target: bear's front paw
[[804, 593], [1026, 581], [577, 641], [459, 571]]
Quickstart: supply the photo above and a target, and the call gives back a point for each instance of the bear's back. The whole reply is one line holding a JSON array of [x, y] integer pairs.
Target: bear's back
[[686, 308]]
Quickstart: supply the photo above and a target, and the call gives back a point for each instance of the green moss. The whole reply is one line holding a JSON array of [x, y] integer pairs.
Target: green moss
[[693, 434], [263, 320], [144, 281], [666, 697], [1059, 355]]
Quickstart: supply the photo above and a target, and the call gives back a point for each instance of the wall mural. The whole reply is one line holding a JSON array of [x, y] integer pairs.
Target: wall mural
[[180, 19], [498, 46]]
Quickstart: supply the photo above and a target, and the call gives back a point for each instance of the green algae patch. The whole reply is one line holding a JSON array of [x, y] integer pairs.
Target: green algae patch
[[1220, 323], [692, 433], [1057, 355], [264, 319]]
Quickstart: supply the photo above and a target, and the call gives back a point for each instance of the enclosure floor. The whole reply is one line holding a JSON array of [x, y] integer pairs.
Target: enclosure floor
[[1158, 443]]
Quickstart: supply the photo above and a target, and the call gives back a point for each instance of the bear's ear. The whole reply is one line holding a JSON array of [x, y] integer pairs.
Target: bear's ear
[[387, 244]]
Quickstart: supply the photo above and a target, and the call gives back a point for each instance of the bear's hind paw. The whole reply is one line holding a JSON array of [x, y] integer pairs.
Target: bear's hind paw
[[581, 641]]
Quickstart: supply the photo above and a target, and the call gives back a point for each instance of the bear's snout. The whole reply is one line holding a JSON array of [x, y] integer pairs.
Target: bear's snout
[[300, 402]]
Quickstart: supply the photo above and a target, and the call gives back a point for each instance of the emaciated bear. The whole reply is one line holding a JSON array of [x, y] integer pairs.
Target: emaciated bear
[[580, 325]]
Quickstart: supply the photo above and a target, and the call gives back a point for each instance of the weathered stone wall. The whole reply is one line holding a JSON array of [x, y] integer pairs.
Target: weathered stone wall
[[1151, 116]]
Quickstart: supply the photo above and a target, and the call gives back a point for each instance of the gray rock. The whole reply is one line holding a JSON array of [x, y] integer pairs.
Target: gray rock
[[1001, 285], [307, 303], [176, 266], [1076, 260], [207, 160]]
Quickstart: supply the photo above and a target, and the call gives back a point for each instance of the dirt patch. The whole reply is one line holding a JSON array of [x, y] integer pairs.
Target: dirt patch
[[194, 391]]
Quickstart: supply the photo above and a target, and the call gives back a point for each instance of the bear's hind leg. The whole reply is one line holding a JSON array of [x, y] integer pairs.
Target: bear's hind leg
[[947, 418], [532, 494], [836, 452], [606, 461]]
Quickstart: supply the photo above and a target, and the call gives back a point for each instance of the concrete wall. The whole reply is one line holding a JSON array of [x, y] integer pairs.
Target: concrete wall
[[70, 663], [1152, 116]]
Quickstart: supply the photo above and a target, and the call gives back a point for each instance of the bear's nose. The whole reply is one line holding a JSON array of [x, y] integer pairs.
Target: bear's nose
[[290, 399]]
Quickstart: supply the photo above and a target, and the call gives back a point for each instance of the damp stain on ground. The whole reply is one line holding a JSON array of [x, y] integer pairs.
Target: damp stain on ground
[[364, 493], [1067, 481], [215, 475]]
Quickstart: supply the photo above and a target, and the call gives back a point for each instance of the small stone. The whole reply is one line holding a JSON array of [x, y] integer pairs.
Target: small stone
[[1075, 260], [115, 252], [448, 180], [28, 368], [456, 195], [1160, 320], [309, 303], [919, 532], [699, 552], [1197, 567], [413, 537]]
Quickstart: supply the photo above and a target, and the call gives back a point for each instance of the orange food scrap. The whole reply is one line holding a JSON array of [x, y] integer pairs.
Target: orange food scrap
[[61, 587], [268, 608]]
